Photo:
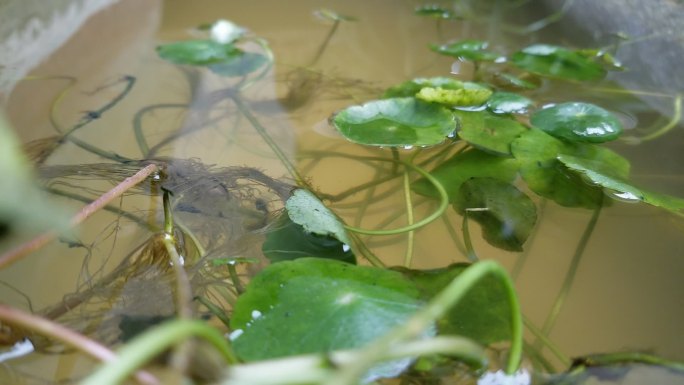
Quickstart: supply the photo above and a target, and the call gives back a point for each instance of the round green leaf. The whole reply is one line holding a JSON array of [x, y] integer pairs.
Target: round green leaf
[[538, 154], [507, 216], [464, 97], [395, 122], [412, 87], [465, 165], [559, 62], [315, 305], [305, 209], [582, 122], [488, 132], [484, 312], [474, 50], [197, 52], [602, 174], [508, 103]]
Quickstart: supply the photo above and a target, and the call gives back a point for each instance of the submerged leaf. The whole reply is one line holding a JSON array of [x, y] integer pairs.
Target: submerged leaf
[[508, 103], [488, 132], [474, 50], [395, 122], [305, 209], [412, 87], [539, 166], [603, 175], [464, 97], [197, 52], [483, 314], [240, 64], [507, 215], [314, 305], [559, 62], [581, 122], [288, 241], [463, 166], [435, 11]]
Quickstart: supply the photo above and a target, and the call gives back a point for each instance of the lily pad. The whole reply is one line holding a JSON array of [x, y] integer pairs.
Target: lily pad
[[463, 97], [581, 122], [198, 52], [508, 103], [483, 314], [558, 62], [433, 10], [474, 50], [305, 209], [602, 175], [488, 132], [412, 87], [545, 175], [507, 215], [240, 64], [463, 166], [395, 122], [315, 305], [288, 241]]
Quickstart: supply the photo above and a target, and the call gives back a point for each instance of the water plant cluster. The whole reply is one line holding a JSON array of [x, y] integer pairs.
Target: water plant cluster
[[326, 309]]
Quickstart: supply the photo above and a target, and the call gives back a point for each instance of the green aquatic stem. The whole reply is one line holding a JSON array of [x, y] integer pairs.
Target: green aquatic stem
[[137, 124], [570, 275], [410, 236], [150, 344], [564, 360], [263, 44], [443, 205], [261, 130], [415, 326], [467, 240], [215, 310]]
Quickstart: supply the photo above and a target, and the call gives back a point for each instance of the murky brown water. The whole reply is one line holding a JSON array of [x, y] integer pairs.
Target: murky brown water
[[627, 294]]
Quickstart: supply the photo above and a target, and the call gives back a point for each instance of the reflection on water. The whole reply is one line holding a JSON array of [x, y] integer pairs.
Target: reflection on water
[[228, 184]]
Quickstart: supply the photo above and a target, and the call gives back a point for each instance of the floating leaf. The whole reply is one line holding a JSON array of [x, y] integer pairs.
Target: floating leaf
[[464, 97], [603, 175], [483, 314], [435, 11], [488, 132], [559, 62], [546, 176], [241, 64], [463, 166], [412, 87], [507, 216], [316, 305], [582, 122], [509, 81], [288, 241], [474, 50], [198, 52], [395, 122], [508, 103], [305, 209]]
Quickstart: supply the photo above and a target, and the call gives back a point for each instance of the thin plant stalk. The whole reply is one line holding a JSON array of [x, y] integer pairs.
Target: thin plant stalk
[[570, 275], [66, 336], [148, 345], [410, 235], [676, 117], [467, 240], [20, 251], [565, 361]]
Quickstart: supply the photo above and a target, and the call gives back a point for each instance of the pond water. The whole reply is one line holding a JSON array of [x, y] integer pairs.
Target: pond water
[[626, 295]]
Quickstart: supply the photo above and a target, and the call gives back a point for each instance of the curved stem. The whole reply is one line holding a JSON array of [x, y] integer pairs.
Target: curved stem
[[410, 236], [470, 250], [153, 342], [66, 336], [443, 205], [137, 124], [676, 117]]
